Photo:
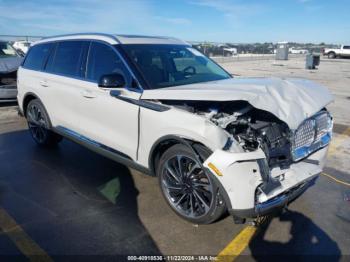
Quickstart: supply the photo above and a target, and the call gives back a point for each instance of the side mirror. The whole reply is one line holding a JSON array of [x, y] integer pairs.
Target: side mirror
[[111, 81]]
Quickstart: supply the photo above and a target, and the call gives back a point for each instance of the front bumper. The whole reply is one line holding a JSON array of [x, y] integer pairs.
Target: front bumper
[[251, 191], [276, 203], [8, 93]]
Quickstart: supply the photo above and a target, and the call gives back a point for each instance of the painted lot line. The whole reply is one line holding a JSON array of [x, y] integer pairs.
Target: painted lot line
[[337, 142], [237, 245], [242, 240], [21, 239]]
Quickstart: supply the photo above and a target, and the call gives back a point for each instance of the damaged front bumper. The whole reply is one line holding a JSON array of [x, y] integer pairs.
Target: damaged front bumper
[[277, 202], [251, 189]]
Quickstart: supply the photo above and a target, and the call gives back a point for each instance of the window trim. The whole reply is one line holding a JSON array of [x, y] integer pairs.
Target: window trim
[[81, 59], [139, 89], [44, 61]]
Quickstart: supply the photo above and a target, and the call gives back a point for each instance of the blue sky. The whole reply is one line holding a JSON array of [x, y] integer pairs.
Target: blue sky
[[193, 20]]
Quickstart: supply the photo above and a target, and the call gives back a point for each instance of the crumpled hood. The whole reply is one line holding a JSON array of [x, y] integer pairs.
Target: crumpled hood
[[10, 64], [292, 100]]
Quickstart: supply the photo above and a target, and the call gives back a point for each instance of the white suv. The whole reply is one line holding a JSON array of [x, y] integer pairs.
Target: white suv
[[216, 143]]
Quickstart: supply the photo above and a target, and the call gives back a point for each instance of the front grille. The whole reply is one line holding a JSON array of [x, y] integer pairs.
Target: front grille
[[305, 134], [311, 135]]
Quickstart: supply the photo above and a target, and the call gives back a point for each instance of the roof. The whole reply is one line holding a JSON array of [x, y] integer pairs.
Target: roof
[[117, 39]]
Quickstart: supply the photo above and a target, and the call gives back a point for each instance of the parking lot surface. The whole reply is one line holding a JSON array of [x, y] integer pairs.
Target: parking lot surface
[[70, 201], [333, 73]]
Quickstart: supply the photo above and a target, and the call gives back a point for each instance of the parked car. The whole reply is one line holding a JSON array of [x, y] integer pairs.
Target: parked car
[[216, 143], [23, 46], [343, 51], [293, 50], [9, 63]]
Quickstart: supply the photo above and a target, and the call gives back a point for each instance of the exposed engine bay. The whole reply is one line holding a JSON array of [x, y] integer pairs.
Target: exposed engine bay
[[251, 127]]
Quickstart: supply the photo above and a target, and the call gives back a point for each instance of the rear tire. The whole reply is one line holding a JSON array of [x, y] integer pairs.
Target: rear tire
[[190, 190], [331, 55], [39, 125]]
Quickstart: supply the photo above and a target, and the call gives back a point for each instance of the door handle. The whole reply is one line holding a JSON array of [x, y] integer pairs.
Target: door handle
[[88, 94], [44, 83]]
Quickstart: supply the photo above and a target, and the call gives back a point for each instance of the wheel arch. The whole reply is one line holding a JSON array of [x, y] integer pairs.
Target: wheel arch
[[30, 97], [165, 142], [27, 98]]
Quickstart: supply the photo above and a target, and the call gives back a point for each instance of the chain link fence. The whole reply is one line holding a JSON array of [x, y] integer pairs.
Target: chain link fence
[[250, 57]]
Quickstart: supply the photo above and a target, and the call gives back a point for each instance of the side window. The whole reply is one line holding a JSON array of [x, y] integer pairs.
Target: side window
[[37, 55], [103, 60], [346, 47], [67, 59]]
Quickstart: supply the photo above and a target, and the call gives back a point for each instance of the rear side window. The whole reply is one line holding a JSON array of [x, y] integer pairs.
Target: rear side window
[[103, 60], [37, 55], [67, 59]]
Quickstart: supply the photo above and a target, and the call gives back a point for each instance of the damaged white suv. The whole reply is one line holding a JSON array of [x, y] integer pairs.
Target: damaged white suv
[[216, 143]]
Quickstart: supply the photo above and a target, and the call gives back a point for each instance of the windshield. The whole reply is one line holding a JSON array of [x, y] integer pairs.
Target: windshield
[[172, 65], [6, 50]]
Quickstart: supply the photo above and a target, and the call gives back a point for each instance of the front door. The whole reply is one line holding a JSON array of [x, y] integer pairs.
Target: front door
[[105, 119]]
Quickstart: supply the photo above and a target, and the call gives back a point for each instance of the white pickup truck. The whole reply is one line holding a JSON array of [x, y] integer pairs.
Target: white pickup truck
[[343, 51]]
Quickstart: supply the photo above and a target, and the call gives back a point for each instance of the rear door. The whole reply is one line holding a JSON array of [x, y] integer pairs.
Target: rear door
[[30, 74], [63, 78], [108, 120], [346, 50]]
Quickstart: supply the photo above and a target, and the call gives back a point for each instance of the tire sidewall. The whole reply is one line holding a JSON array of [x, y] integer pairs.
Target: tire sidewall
[[51, 138], [331, 55], [38, 104], [215, 210]]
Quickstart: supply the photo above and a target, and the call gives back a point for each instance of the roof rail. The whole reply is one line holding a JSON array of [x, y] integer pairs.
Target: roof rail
[[82, 34]]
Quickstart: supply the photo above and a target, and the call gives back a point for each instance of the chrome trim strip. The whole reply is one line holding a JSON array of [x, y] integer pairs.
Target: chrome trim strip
[[90, 141], [101, 149], [139, 102], [113, 37], [285, 198], [138, 90], [303, 151]]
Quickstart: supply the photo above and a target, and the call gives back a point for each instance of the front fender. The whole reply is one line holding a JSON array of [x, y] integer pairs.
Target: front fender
[[155, 126]]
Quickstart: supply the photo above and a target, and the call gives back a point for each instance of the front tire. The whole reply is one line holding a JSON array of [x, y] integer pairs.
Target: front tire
[[331, 55], [39, 124], [190, 190]]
